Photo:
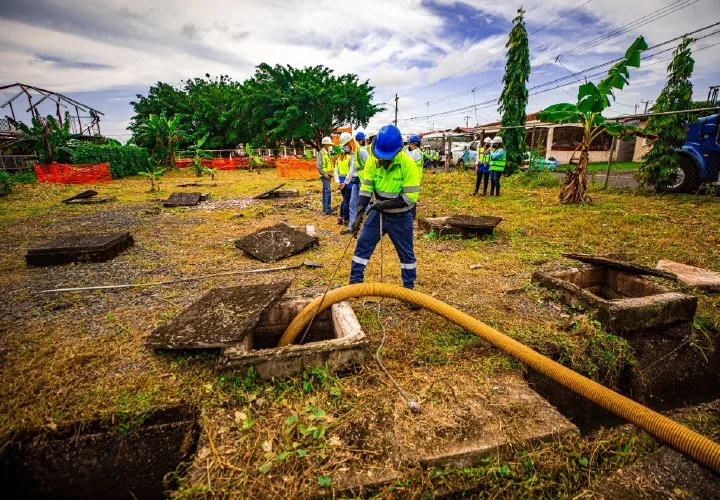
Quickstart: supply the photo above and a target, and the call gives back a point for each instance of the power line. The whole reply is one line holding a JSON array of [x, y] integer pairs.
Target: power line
[[641, 21], [489, 56], [492, 102]]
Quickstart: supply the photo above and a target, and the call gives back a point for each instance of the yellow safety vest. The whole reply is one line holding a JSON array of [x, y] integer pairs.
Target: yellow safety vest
[[343, 165], [401, 178], [326, 161]]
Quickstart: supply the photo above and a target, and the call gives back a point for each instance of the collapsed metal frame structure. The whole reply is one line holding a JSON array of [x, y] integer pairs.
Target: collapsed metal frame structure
[[8, 130]]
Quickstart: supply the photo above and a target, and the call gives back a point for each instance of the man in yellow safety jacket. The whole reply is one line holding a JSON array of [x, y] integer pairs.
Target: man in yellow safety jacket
[[324, 166]]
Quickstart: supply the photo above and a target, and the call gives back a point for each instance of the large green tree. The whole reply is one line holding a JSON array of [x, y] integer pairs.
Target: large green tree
[[285, 104], [514, 97], [592, 101], [661, 162]]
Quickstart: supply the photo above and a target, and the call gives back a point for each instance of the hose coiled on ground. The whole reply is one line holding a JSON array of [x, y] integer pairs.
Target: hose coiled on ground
[[698, 447]]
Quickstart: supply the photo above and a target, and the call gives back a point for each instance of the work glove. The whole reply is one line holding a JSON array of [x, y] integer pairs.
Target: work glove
[[357, 223], [379, 206]]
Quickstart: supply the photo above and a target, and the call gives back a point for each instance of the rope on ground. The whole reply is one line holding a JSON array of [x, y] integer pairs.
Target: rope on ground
[[414, 407]]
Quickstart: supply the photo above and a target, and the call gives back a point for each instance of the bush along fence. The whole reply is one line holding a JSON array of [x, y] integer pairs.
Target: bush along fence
[[123, 160]]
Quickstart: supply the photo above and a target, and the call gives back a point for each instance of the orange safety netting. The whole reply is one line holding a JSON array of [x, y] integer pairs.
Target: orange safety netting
[[296, 168], [61, 173]]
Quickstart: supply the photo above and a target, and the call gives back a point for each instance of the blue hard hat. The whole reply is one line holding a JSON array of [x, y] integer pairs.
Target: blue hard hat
[[414, 139], [360, 136], [388, 142]]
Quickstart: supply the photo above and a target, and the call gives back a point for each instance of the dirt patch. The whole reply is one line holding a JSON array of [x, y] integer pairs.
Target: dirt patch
[[663, 474], [276, 242], [79, 248], [222, 317], [87, 461]]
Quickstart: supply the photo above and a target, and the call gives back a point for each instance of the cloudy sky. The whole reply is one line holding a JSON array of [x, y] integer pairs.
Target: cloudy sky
[[431, 53]]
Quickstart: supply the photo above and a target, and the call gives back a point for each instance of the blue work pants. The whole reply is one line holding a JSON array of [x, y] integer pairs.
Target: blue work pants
[[399, 227]]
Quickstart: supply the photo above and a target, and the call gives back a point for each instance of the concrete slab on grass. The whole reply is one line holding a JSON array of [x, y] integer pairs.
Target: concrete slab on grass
[[79, 248], [696, 277], [276, 242], [222, 317], [466, 227], [663, 474], [488, 418], [183, 200]]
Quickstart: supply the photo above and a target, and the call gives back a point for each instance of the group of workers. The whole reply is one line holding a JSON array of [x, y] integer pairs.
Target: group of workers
[[490, 166], [392, 174]]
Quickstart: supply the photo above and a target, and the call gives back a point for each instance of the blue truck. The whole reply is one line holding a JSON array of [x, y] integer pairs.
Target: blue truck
[[699, 157]]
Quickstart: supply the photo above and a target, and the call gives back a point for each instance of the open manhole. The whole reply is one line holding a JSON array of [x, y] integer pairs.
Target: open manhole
[[465, 226], [674, 364], [79, 248], [88, 461], [335, 339], [621, 302]]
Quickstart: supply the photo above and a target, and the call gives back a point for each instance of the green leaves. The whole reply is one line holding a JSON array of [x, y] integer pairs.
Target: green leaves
[[563, 112], [619, 74], [590, 100], [324, 481]]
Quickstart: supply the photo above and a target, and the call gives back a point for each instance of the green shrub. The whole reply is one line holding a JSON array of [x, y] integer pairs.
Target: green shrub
[[5, 184], [124, 160], [8, 180], [535, 179]]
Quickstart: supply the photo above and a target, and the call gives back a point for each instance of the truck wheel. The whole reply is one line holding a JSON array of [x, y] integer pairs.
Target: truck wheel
[[686, 180]]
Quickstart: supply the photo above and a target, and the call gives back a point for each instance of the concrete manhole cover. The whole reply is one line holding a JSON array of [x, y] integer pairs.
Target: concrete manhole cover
[[222, 317], [183, 200], [79, 248], [276, 242], [473, 221]]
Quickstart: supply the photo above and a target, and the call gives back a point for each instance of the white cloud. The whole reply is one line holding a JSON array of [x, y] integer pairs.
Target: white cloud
[[399, 46]]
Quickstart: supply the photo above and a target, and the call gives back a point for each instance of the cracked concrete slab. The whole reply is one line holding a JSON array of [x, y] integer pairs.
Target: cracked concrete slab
[[276, 242], [69, 248]]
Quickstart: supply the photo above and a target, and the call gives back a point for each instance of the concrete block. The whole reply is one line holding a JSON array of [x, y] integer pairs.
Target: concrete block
[[79, 248], [335, 339], [621, 302], [183, 200], [469, 226], [276, 242], [696, 277]]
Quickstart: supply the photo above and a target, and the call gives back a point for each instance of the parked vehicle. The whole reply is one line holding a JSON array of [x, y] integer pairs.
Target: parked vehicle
[[539, 163], [699, 157]]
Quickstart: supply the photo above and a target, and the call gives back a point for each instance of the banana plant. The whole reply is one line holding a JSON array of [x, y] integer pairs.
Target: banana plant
[[153, 173], [254, 161], [47, 138], [592, 101], [160, 135], [196, 152]]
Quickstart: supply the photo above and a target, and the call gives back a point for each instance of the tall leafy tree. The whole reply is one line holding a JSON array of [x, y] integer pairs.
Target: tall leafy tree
[[285, 104], [514, 98], [661, 162], [162, 99], [592, 101], [216, 110]]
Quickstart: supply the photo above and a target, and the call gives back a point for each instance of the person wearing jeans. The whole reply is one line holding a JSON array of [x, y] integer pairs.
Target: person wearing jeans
[[497, 165], [360, 158], [344, 172], [325, 168]]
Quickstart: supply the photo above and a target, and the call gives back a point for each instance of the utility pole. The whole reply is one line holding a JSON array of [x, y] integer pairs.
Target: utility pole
[[396, 108], [636, 108], [646, 104], [466, 121]]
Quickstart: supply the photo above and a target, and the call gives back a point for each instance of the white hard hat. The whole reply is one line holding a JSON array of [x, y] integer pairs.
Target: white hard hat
[[487, 140], [497, 140], [345, 137], [327, 140]]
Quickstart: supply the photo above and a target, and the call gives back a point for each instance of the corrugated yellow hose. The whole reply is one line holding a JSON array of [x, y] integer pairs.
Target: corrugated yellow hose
[[676, 435]]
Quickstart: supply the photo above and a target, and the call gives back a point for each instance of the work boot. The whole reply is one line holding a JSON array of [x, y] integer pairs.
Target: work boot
[[341, 222], [346, 231]]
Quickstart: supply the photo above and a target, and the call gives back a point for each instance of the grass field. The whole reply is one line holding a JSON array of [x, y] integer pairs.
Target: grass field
[[80, 356], [623, 166]]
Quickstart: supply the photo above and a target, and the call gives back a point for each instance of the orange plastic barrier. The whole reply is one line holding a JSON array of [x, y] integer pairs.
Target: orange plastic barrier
[[61, 173], [295, 168]]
